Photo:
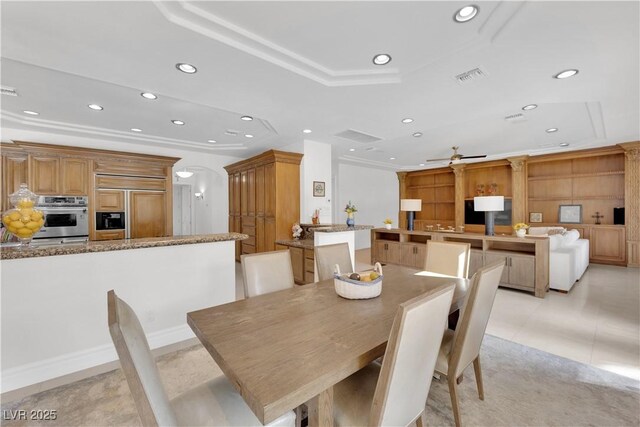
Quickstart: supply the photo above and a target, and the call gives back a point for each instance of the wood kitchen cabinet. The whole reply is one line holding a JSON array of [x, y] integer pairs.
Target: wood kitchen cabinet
[[607, 244], [147, 217], [389, 252], [109, 201], [414, 255], [109, 235], [519, 270], [297, 264], [44, 175], [15, 171], [264, 191], [74, 178]]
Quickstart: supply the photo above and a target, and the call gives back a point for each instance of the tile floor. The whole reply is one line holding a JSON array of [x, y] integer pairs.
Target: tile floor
[[596, 323]]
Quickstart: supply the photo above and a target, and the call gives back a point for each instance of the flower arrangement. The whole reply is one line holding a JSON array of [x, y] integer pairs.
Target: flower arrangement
[[388, 221], [296, 231], [350, 208], [520, 226]]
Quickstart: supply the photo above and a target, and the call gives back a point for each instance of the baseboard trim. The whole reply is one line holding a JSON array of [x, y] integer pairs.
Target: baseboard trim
[[85, 360]]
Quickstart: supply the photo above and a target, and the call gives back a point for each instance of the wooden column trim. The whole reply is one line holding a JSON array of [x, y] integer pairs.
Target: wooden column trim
[[402, 180], [632, 201], [518, 188], [458, 172]]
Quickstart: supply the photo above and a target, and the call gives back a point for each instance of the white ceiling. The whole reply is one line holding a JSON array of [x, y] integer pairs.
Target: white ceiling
[[299, 65]]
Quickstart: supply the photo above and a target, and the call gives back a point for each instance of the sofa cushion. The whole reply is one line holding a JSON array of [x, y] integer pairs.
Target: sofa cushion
[[556, 230], [570, 237], [555, 242]]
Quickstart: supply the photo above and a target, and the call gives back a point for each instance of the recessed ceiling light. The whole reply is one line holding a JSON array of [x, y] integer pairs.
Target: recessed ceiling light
[[551, 130], [530, 107], [306, 131], [31, 113], [352, 149], [466, 14], [148, 95], [136, 130], [186, 68], [566, 74], [246, 118], [248, 135], [382, 59], [213, 141], [421, 164], [417, 134], [177, 122], [564, 144], [95, 107], [392, 158], [407, 120]]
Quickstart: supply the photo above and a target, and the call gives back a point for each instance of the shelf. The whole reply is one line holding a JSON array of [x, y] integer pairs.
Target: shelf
[[415, 187], [438, 201], [577, 175]]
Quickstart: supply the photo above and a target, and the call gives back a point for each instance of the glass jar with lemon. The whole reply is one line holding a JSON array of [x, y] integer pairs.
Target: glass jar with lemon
[[24, 220]]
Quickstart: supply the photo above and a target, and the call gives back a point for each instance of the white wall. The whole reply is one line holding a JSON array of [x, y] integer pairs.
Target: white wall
[[211, 214], [375, 192], [316, 167]]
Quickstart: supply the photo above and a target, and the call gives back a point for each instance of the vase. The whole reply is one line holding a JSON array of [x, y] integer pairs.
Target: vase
[[24, 220], [387, 226], [521, 232], [350, 219]]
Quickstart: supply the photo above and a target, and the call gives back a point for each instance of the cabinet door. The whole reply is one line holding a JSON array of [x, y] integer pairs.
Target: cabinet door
[[270, 190], [251, 192], [297, 263], [109, 235], [476, 261], [45, 175], [244, 187], [14, 173], [394, 253], [147, 214], [232, 209], [260, 191], [236, 193], [260, 234], [380, 252], [109, 200], [269, 234], [410, 255], [522, 270], [607, 244], [75, 176], [491, 257], [421, 256]]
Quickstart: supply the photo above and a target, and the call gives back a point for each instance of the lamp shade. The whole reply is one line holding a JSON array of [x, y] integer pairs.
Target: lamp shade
[[488, 203], [411, 205]]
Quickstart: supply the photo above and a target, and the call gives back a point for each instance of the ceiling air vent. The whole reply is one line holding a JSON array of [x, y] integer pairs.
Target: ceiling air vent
[[8, 91], [354, 135], [515, 118], [231, 132], [471, 75]]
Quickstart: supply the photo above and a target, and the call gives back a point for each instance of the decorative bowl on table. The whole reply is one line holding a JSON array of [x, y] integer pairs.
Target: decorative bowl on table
[[359, 285], [24, 220]]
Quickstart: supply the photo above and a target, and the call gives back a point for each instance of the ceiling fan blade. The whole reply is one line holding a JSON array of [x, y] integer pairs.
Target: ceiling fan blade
[[438, 160], [474, 157]]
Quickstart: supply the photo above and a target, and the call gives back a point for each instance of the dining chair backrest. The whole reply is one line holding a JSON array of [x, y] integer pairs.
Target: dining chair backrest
[[266, 272], [450, 258], [410, 358], [476, 310], [328, 256], [138, 364]]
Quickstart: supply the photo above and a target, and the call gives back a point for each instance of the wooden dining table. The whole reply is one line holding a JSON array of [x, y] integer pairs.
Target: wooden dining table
[[287, 348]]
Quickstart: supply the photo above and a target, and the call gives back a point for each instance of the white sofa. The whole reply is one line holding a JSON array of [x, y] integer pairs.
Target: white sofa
[[568, 256]]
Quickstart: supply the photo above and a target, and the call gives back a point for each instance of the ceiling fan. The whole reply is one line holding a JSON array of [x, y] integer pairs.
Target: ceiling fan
[[456, 158]]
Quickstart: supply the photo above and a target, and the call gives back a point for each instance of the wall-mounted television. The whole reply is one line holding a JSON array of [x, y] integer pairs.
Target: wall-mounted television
[[473, 217]]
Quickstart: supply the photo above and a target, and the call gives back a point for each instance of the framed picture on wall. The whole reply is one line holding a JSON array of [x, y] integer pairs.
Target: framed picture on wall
[[535, 216], [570, 214], [318, 189]]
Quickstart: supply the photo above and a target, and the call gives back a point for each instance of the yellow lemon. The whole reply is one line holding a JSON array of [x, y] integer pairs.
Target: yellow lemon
[[25, 219], [24, 232], [374, 275], [14, 215], [36, 215], [33, 225], [17, 224], [41, 222], [26, 211], [12, 229], [366, 278], [25, 203], [6, 220]]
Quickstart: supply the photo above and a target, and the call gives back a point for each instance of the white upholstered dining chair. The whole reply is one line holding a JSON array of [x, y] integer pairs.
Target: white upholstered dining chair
[[395, 393], [214, 403], [450, 258], [328, 256], [461, 347], [266, 272]]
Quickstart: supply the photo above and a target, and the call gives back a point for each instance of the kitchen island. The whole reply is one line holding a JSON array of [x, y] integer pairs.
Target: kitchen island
[[54, 309]]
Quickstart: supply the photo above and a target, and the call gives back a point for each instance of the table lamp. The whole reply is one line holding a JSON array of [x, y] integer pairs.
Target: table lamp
[[410, 206], [489, 205]]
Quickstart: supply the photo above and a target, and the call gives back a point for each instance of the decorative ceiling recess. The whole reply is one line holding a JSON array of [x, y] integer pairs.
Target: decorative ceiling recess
[[206, 18]]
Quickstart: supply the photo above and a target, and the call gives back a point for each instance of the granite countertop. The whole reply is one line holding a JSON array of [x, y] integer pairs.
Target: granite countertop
[[303, 243], [115, 245], [337, 228]]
